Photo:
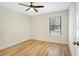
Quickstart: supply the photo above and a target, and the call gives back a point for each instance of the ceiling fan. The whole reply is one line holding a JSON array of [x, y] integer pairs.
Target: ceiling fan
[[31, 6]]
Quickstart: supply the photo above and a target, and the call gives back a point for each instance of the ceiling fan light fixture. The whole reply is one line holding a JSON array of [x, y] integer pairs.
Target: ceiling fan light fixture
[[31, 9]]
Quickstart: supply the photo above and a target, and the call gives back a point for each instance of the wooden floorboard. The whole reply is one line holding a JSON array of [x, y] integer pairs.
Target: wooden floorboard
[[36, 48]]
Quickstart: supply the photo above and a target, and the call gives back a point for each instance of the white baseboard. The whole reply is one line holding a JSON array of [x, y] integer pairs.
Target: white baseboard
[[34, 39], [14, 43], [52, 41]]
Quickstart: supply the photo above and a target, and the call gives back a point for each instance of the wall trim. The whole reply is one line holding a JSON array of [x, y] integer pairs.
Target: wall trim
[[53, 41], [14, 43], [32, 39]]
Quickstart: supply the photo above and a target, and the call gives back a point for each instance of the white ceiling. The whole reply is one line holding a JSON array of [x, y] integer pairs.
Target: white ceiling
[[48, 7]]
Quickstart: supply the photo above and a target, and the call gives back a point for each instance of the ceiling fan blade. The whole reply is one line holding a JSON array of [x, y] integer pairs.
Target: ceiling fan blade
[[23, 4], [38, 6], [27, 9], [35, 10]]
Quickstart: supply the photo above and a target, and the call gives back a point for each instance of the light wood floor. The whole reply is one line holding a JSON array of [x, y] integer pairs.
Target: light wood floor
[[36, 48]]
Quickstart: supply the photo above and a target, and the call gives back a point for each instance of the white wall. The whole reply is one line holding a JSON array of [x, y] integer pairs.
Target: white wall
[[14, 27], [40, 27], [72, 27]]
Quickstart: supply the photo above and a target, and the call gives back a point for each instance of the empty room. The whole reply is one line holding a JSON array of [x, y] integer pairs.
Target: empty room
[[39, 29]]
